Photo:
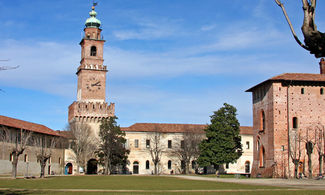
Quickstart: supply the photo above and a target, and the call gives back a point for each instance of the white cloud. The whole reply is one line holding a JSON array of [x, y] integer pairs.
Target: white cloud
[[45, 66], [208, 27]]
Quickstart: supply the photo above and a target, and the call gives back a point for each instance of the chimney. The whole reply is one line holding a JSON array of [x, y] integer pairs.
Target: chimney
[[322, 66]]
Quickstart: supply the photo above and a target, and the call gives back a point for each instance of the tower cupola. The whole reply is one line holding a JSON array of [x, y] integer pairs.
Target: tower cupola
[[92, 21]]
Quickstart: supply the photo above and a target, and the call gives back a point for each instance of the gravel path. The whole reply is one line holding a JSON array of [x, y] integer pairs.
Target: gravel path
[[292, 183]]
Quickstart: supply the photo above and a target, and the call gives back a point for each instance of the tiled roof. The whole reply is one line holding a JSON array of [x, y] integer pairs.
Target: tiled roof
[[20, 124], [246, 130], [175, 128], [294, 77], [66, 134]]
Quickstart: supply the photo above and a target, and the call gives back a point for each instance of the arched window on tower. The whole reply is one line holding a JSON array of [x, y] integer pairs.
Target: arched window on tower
[[93, 51], [262, 121], [261, 157]]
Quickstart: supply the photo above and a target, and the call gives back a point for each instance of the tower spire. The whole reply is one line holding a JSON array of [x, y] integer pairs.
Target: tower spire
[[92, 21]]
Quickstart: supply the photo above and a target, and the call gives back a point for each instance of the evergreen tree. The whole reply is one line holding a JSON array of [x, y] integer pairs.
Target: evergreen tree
[[223, 142], [112, 151]]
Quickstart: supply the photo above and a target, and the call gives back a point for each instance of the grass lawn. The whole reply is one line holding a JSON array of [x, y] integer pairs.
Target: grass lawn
[[135, 185]]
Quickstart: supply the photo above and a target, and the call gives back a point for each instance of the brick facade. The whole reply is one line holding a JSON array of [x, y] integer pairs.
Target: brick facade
[[285, 105]]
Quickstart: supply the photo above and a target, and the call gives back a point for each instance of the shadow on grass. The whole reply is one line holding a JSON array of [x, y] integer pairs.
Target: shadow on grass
[[15, 192]]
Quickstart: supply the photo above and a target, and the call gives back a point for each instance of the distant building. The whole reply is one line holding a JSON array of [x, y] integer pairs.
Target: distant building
[[284, 105], [139, 140], [27, 163]]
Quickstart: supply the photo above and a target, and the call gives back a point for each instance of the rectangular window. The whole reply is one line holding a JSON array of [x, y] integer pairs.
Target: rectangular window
[[182, 144], [147, 143], [295, 122], [25, 158], [136, 143], [247, 145], [169, 143], [302, 91], [227, 166]]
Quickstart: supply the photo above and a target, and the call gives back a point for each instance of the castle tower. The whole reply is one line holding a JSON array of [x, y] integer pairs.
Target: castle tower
[[288, 112], [91, 105]]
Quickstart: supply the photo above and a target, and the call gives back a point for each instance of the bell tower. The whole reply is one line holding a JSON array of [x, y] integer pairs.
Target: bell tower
[[91, 105]]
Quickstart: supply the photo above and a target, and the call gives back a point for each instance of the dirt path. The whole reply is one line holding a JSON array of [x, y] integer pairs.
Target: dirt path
[[292, 183]]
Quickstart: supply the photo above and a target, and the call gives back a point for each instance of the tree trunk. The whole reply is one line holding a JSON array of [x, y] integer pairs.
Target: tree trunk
[[310, 170], [78, 169], [14, 166], [156, 169], [43, 164], [187, 167], [296, 163], [320, 161], [107, 167]]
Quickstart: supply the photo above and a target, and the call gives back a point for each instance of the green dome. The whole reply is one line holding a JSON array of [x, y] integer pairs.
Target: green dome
[[92, 21]]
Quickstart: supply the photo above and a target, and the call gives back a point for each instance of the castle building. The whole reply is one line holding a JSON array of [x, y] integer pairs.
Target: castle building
[[91, 105], [28, 164], [288, 112], [140, 140]]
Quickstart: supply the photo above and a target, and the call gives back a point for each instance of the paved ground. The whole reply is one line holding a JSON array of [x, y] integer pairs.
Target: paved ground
[[293, 183]]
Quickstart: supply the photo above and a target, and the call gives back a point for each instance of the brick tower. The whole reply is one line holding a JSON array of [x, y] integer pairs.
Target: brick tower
[[91, 106], [288, 112]]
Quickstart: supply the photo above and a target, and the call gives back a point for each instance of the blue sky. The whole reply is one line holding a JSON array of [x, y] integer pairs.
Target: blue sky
[[170, 61]]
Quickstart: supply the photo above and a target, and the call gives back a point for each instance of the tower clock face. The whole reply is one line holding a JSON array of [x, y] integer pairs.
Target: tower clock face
[[93, 84]]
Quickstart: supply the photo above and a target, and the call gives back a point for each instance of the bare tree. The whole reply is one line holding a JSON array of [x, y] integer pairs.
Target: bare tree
[[156, 148], [44, 146], [295, 149], [187, 149], [319, 145], [314, 40], [310, 142], [17, 141], [83, 143]]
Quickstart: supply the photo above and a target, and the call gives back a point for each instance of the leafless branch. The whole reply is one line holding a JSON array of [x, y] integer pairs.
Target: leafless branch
[[279, 3]]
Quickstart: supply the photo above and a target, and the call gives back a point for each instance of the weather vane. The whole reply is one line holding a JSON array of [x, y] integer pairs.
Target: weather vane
[[95, 3]]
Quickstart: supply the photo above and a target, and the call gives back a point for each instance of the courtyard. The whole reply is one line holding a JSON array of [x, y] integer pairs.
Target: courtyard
[[157, 185]]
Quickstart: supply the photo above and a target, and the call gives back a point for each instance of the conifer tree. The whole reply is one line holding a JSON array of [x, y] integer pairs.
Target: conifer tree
[[112, 150], [223, 142]]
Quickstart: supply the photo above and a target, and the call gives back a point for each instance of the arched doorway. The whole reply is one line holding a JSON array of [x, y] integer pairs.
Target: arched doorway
[[247, 167], [68, 169], [92, 166], [135, 167]]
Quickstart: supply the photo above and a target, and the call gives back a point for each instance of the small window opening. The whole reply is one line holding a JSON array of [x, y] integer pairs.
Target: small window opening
[[227, 166], [247, 145], [25, 158], [93, 51], [169, 164], [295, 122], [321, 91], [147, 143], [302, 90], [147, 165], [136, 143], [169, 143]]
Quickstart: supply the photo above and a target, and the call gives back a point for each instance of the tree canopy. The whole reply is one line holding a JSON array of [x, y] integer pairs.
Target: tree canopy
[[223, 142], [112, 150]]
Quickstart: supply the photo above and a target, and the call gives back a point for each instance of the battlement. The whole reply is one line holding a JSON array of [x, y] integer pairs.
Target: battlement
[[90, 111]]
